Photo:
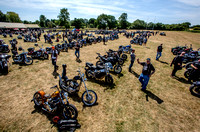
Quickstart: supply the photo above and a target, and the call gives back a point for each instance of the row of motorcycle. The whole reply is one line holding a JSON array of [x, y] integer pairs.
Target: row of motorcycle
[[191, 57]]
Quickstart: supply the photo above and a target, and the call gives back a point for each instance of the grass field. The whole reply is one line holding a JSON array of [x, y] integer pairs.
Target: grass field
[[168, 106]]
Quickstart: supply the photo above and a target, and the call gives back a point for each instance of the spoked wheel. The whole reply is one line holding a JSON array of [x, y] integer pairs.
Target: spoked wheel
[[121, 61], [117, 69], [37, 98], [70, 112], [46, 56], [124, 56], [28, 61], [195, 90], [109, 79], [89, 98]]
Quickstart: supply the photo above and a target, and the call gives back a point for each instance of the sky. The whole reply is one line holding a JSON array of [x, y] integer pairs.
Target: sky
[[164, 11]]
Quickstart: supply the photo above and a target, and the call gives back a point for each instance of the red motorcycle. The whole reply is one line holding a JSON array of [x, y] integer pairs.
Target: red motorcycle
[[41, 53]]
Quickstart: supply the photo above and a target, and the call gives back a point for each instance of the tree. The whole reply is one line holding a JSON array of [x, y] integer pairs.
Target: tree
[[64, 17], [42, 21], [102, 21], [123, 23], [2, 17], [92, 23], [12, 17], [78, 23], [26, 22], [140, 24], [112, 22]]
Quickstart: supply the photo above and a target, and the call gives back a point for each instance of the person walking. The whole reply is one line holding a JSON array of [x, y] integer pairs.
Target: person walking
[[77, 51], [54, 57], [177, 62], [147, 71], [159, 51], [132, 59]]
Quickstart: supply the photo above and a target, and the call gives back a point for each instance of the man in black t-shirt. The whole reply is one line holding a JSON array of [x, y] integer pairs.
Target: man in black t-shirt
[[159, 52], [77, 50], [147, 71], [177, 62]]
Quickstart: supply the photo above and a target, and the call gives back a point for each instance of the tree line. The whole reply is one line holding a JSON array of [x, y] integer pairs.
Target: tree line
[[103, 21]]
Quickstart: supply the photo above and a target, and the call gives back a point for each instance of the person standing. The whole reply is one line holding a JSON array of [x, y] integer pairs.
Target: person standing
[[54, 57], [132, 59], [45, 37], [63, 35], [159, 51], [147, 71], [177, 62], [77, 50], [104, 40]]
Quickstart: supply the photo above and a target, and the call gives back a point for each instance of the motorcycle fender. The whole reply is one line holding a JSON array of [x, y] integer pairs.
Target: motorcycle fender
[[42, 93]]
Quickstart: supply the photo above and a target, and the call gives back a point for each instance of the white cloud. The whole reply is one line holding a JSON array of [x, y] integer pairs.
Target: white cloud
[[190, 2]]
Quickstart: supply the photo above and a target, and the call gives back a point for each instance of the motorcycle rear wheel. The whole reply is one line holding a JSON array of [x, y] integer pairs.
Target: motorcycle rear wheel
[[89, 99], [195, 90], [46, 56], [70, 112], [124, 56], [117, 69], [37, 99], [109, 79], [29, 62]]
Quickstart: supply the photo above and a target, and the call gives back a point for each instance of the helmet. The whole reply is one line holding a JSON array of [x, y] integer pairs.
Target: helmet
[[53, 47]]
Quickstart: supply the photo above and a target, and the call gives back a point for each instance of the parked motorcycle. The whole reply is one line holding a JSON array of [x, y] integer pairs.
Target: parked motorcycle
[[72, 86], [98, 72], [41, 53], [4, 47], [4, 60], [112, 63], [195, 89], [55, 102], [22, 58]]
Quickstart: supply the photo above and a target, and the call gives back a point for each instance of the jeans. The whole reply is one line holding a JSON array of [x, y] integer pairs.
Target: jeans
[[144, 79], [159, 54], [77, 52], [176, 68], [54, 63], [131, 65]]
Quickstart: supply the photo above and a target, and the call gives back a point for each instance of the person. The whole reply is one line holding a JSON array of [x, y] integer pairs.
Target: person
[[177, 62], [45, 37], [54, 57], [194, 74], [77, 50], [147, 72], [159, 51], [63, 35], [145, 41], [132, 59], [104, 40]]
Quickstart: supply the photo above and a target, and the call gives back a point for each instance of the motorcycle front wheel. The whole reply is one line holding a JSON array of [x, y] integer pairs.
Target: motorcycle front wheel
[[195, 90], [109, 79], [28, 61], [89, 98], [124, 56], [70, 112], [187, 74], [46, 56], [117, 69]]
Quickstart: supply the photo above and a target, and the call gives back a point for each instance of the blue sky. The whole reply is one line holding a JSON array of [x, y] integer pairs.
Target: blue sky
[[165, 11]]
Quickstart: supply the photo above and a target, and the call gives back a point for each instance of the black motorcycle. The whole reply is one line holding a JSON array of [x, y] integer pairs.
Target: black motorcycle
[[191, 74], [41, 53], [4, 59], [98, 72], [113, 63], [72, 86], [4, 47], [195, 89], [22, 58]]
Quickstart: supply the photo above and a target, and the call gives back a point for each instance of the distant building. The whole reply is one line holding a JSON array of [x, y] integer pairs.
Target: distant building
[[17, 26]]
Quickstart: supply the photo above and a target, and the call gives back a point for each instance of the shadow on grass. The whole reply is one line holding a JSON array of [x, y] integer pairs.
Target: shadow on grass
[[153, 96], [118, 75], [163, 62], [103, 84], [51, 116], [78, 60], [135, 74], [183, 80], [55, 74]]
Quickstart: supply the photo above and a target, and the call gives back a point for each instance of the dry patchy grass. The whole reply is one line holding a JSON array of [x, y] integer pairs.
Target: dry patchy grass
[[121, 108]]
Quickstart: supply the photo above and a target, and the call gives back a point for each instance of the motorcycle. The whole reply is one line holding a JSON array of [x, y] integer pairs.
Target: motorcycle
[[89, 97], [191, 74], [41, 53], [110, 61], [4, 59], [22, 58], [4, 47], [55, 102], [195, 89], [98, 72]]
